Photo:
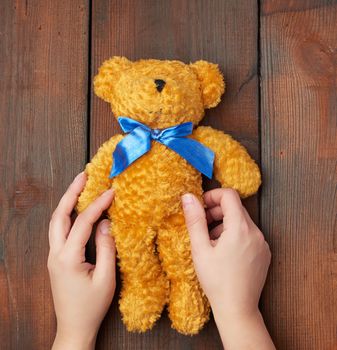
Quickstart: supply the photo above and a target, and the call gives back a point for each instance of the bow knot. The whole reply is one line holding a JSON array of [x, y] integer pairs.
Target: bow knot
[[138, 142], [155, 134]]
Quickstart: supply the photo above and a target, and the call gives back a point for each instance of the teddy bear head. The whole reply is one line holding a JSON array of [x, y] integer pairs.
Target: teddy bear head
[[159, 93]]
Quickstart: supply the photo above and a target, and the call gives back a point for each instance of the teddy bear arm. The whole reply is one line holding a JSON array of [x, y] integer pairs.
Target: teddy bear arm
[[97, 172], [233, 167]]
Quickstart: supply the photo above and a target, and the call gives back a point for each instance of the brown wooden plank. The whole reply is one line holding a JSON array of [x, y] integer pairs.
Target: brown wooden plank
[[299, 151], [43, 114], [224, 32]]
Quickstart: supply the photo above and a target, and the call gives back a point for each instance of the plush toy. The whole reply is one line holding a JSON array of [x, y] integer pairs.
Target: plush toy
[[158, 159]]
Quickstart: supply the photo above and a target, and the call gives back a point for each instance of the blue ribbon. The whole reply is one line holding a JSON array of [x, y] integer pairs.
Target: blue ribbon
[[138, 142]]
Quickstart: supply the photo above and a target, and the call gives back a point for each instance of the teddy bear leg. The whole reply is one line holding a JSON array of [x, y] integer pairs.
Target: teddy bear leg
[[188, 306], [144, 285]]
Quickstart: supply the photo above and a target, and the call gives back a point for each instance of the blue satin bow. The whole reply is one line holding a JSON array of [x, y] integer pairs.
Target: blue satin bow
[[138, 142]]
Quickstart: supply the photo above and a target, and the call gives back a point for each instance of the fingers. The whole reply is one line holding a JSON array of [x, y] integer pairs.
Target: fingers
[[229, 202], [81, 230], [249, 220], [196, 223], [60, 222], [215, 233], [228, 199], [232, 210], [214, 214], [105, 254]]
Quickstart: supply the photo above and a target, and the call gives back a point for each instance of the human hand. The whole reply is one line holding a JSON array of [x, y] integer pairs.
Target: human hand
[[82, 292], [231, 261]]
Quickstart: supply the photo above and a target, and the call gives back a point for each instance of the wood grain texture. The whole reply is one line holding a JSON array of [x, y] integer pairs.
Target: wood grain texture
[[43, 125], [43, 112], [299, 152], [224, 32]]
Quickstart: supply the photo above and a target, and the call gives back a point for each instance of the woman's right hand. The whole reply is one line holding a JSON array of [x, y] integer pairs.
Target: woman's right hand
[[231, 262]]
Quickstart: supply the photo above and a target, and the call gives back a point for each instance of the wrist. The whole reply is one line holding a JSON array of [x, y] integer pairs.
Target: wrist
[[68, 340], [229, 314], [240, 330], [235, 318]]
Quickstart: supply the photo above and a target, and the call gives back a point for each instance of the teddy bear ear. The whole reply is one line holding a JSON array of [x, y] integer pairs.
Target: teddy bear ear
[[108, 73], [211, 80]]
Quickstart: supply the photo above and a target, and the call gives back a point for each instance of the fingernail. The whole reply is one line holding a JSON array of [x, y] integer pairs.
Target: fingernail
[[187, 199], [104, 227], [108, 192], [78, 176]]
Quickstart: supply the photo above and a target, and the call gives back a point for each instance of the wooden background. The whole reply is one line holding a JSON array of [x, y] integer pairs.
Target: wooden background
[[279, 61]]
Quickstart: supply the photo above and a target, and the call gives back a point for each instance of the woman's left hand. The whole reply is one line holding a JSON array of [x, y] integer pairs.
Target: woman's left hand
[[82, 292]]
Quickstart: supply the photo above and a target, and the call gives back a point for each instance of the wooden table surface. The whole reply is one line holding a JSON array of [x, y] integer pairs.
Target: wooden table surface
[[279, 61]]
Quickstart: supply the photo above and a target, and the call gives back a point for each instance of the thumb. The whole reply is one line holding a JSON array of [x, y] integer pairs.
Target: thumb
[[196, 223], [105, 252]]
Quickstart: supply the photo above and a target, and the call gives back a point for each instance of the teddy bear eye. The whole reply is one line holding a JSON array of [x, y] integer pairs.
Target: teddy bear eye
[[160, 84]]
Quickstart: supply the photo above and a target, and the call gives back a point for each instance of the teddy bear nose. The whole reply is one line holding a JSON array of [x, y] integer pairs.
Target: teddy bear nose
[[159, 84]]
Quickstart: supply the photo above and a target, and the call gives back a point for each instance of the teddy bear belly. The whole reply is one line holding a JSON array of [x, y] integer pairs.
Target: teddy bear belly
[[150, 189]]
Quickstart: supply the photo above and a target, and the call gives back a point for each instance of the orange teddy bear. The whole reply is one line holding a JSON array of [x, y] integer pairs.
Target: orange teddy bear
[[147, 219]]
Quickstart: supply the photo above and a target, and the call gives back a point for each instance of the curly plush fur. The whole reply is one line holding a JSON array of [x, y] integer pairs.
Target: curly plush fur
[[148, 224]]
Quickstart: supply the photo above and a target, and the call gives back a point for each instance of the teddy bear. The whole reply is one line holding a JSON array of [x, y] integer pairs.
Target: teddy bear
[[150, 174]]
